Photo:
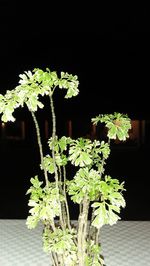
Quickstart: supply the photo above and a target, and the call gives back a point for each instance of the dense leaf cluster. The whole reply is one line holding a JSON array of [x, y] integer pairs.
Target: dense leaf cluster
[[31, 86]]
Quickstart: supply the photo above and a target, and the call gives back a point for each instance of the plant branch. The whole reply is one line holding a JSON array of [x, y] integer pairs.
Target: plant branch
[[54, 259], [63, 206], [82, 232], [53, 152], [66, 202], [40, 145]]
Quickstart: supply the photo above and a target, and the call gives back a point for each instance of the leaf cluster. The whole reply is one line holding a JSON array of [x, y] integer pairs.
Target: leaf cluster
[[118, 125], [61, 242], [111, 200], [44, 202], [94, 258], [31, 86]]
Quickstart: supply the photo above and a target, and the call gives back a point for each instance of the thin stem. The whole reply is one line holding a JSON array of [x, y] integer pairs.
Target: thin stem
[[82, 232], [53, 152], [80, 208], [63, 207], [54, 259], [93, 232], [40, 145], [66, 202], [53, 117]]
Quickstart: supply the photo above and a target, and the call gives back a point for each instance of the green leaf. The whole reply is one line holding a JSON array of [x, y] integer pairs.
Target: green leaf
[[99, 220], [96, 204], [85, 157], [32, 222], [118, 125], [112, 217], [63, 143], [48, 164], [72, 91], [84, 184]]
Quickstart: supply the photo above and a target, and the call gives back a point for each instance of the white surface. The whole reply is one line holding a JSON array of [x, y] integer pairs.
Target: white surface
[[125, 244]]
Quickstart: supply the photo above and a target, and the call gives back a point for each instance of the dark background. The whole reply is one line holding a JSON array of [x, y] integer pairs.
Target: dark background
[[108, 48]]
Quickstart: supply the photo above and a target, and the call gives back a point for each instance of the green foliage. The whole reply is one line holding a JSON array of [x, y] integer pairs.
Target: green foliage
[[44, 202], [84, 184], [110, 202], [118, 125], [80, 152], [60, 147], [69, 82], [94, 258], [61, 242], [84, 152], [89, 187], [33, 85]]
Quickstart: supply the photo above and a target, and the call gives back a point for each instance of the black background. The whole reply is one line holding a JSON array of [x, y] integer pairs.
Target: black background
[[108, 48]]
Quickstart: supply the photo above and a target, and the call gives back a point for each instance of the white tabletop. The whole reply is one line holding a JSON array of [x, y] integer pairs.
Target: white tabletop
[[125, 244]]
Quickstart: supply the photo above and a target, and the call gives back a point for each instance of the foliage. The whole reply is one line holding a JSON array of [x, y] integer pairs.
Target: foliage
[[32, 86], [61, 242], [44, 202], [118, 125], [90, 187]]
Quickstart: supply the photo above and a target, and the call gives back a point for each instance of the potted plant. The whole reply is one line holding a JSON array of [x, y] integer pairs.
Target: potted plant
[[98, 196]]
